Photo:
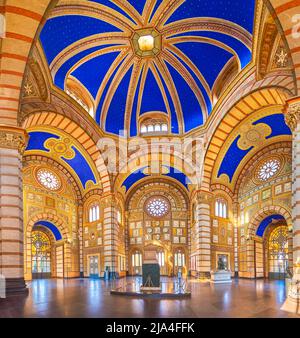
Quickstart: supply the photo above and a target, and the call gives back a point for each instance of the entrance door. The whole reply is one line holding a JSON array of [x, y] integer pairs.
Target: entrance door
[[94, 266]]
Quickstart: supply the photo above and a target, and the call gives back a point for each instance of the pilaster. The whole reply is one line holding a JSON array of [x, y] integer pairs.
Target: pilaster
[[12, 145], [203, 233]]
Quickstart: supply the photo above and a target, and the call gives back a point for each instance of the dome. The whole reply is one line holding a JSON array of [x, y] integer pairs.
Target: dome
[[121, 60]]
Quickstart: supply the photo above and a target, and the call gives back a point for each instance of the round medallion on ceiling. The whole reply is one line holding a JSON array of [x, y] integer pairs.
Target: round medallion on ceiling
[[48, 179], [157, 207]]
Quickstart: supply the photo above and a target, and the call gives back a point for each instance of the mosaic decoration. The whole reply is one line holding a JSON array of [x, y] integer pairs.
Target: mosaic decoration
[[48, 179], [157, 207]]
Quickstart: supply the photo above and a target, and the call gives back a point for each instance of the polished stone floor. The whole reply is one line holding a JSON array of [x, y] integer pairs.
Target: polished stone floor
[[92, 298]]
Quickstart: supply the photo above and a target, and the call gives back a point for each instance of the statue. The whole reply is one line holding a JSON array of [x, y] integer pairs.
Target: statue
[[221, 264]]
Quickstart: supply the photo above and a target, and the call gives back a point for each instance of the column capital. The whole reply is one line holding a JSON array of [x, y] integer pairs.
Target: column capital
[[13, 138], [203, 196], [292, 112]]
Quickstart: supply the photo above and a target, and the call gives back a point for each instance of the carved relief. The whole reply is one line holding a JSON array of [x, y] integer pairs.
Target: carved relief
[[13, 138]]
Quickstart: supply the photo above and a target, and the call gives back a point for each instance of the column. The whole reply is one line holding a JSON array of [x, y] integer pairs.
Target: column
[[235, 242], [203, 234], [80, 238], [292, 118], [110, 234], [12, 145]]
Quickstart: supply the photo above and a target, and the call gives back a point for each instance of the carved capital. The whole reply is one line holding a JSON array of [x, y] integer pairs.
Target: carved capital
[[292, 113], [13, 138], [204, 197]]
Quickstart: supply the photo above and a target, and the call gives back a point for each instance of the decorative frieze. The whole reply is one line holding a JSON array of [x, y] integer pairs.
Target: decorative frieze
[[13, 138], [292, 113]]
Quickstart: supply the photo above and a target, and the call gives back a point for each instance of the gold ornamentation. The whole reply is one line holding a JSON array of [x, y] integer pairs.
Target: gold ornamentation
[[281, 58], [268, 169], [204, 197], [253, 135], [60, 148], [146, 42], [13, 138], [268, 40], [292, 115]]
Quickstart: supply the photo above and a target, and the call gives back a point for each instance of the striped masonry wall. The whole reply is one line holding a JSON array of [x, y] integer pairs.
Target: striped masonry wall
[[203, 252], [110, 238], [296, 194]]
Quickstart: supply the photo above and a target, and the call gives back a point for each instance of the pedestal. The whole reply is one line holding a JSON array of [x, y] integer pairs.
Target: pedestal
[[220, 277]]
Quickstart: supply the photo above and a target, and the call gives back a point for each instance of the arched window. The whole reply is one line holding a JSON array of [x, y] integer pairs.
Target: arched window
[[150, 128], [161, 258], [164, 127], [136, 259], [94, 213], [119, 217], [154, 126], [242, 218], [179, 259], [157, 127], [221, 209], [143, 129]]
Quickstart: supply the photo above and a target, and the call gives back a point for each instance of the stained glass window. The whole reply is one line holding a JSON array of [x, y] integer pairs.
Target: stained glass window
[[268, 169], [48, 179], [157, 207], [41, 252]]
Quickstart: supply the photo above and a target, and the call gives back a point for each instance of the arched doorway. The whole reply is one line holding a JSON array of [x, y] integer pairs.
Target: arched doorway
[[278, 252], [273, 248], [45, 256], [40, 255]]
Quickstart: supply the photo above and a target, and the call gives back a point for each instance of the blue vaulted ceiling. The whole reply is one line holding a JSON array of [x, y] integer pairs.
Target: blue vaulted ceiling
[[235, 155], [171, 172], [78, 164], [91, 42]]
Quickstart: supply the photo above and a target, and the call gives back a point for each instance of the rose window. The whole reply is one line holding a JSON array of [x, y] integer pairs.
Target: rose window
[[157, 207], [48, 179], [268, 169]]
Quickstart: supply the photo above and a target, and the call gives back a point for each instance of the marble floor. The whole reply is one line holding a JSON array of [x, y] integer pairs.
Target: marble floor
[[92, 298]]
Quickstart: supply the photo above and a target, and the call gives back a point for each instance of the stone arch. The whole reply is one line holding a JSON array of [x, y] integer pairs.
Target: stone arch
[[38, 159], [265, 212], [15, 50], [284, 11], [58, 222]]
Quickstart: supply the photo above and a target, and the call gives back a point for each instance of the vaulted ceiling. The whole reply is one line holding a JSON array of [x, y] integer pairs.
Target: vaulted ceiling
[[98, 47]]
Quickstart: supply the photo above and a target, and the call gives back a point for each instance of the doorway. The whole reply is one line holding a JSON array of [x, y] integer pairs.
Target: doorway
[[41, 255], [94, 266]]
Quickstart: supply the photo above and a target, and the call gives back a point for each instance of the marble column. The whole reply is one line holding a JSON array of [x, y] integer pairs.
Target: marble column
[[292, 118], [203, 233], [110, 234], [12, 145], [235, 241], [80, 239]]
